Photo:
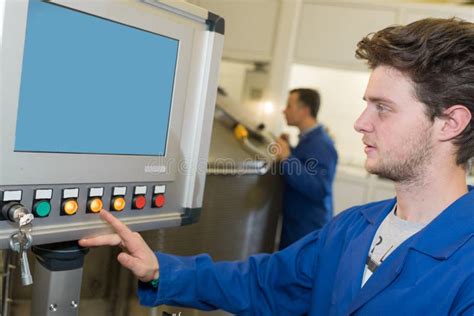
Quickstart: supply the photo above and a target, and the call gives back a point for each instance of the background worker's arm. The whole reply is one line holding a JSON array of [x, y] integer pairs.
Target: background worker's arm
[[312, 177]]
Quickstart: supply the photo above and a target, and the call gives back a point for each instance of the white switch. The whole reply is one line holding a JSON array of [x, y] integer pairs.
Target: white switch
[[71, 193], [44, 194], [93, 192], [140, 190], [11, 196], [159, 189], [120, 191]]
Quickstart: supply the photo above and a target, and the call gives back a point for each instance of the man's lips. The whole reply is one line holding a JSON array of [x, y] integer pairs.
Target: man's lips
[[369, 147]]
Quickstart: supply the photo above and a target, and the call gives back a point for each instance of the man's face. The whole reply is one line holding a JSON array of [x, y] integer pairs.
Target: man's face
[[396, 131], [294, 112]]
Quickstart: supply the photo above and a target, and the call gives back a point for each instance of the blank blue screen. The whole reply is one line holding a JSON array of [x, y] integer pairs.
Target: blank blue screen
[[90, 85]]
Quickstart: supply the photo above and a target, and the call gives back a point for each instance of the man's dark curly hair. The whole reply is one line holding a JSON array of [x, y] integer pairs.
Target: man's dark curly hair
[[438, 56]]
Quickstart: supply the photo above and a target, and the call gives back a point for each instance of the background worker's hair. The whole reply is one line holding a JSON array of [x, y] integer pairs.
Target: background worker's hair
[[309, 98]]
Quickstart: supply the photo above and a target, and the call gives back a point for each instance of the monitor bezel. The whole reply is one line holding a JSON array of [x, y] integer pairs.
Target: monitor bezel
[[26, 168]]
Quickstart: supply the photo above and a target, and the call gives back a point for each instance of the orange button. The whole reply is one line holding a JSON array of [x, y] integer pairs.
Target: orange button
[[95, 205], [70, 207], [159, 200], [118, 204]]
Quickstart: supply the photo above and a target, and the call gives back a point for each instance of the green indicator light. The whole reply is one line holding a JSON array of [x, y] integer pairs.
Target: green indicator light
[[42, 208]]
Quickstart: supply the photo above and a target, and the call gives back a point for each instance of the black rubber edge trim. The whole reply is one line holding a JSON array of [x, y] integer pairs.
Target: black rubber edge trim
[[61, 256], [190, 216], [215, 23]]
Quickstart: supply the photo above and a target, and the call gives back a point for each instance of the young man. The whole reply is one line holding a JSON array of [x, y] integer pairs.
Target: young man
[[411, 255], [308, 170]]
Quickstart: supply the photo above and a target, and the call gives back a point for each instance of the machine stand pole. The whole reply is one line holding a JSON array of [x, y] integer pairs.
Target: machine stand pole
[[57, 279]]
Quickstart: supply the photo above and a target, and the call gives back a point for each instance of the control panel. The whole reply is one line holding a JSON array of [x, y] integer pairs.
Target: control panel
[[75, 201], [104, 105], [70, 207]]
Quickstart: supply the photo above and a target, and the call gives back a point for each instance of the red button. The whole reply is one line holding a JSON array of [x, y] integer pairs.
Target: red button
[[139, 202], [159, 200]]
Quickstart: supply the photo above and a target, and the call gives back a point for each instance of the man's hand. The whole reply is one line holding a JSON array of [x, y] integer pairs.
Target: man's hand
[[137, 256], [283, 148]]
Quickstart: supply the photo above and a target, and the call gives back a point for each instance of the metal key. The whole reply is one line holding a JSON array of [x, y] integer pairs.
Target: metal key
[[21, 242], [25, 219]]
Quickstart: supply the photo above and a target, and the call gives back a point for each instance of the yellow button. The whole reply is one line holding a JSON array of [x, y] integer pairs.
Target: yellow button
[[118, 204], [240, 132], [96, 205], [70, 207]]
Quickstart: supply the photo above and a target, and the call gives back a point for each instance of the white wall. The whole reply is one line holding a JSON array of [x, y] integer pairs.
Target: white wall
[[2, 14], [235, 79], [232, 76], [341, 103]]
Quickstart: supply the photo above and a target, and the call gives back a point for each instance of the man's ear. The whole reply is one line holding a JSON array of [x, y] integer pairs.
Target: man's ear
[[306, 109], [454, 121]]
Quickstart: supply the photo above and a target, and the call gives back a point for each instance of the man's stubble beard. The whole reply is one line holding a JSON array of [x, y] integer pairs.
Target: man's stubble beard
[[410, 168]]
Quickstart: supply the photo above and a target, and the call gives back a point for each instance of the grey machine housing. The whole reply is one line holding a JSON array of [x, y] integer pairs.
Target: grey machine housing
[[179, 175]]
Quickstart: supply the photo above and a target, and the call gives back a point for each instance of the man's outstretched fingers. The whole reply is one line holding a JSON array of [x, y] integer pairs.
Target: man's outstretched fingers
[[104, 240], [124, 232]]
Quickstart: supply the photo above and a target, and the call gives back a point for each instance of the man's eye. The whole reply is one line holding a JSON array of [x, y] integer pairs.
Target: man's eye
[[380, 107]]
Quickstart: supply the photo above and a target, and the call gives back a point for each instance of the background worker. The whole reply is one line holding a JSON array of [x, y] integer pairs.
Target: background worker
[[308, 169]]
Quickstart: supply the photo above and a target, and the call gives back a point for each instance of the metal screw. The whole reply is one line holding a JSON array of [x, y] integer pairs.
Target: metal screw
[[74, 304], [53, 307]]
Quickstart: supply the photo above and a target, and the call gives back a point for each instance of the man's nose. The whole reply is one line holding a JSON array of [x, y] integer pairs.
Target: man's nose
[[363, 123]]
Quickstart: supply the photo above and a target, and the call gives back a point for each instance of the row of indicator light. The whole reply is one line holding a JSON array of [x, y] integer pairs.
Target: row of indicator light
[[117, 203], [70, 205], [95, 205]]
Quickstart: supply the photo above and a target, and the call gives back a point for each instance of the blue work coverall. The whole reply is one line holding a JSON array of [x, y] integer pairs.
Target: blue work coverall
[[431, 273], [309, 175]]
